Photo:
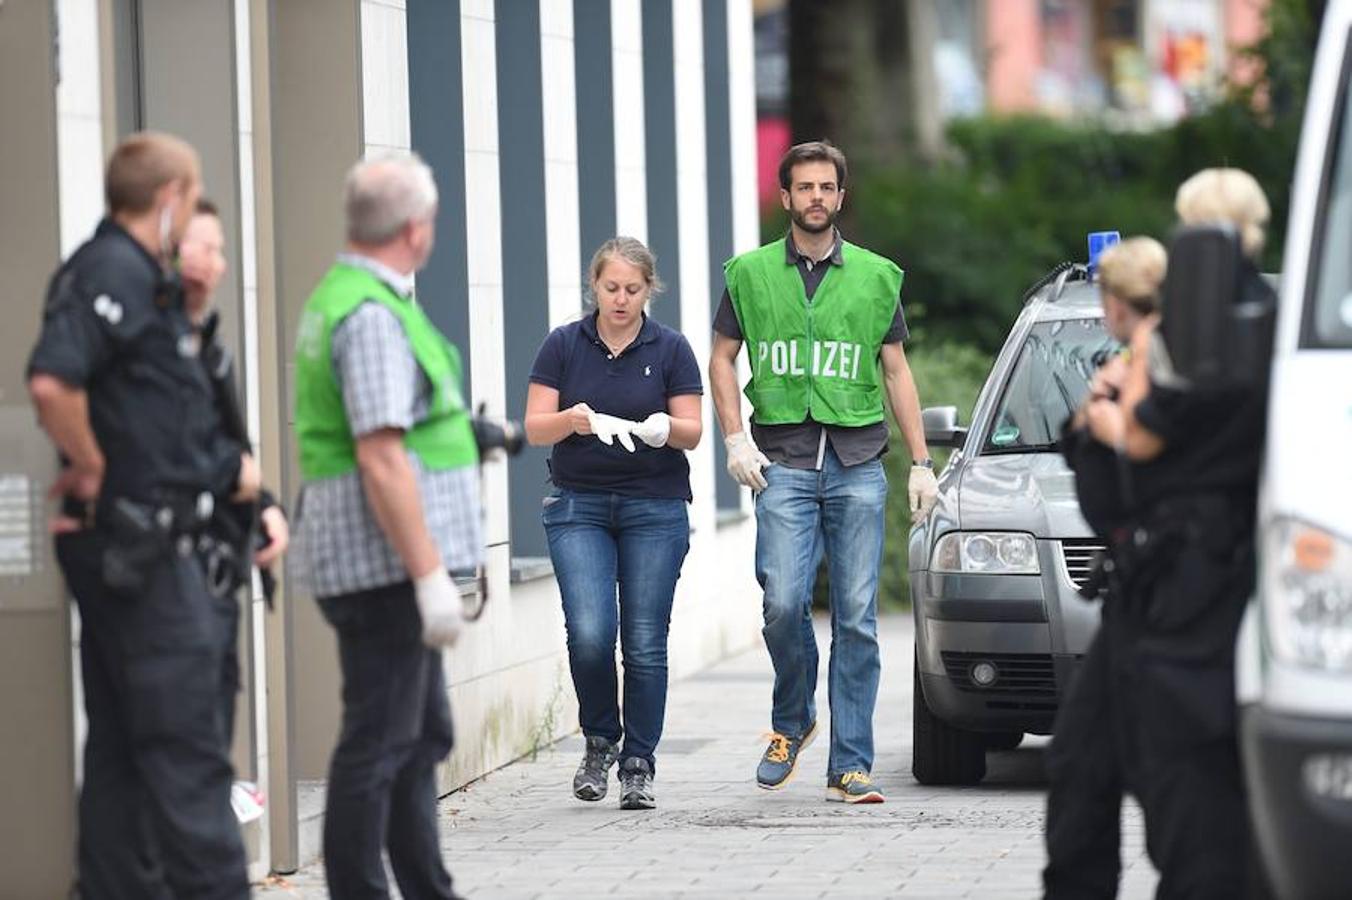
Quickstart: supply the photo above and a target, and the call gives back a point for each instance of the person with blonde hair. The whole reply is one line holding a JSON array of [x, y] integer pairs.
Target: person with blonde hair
[[1086, 782], [1130, 274], [617, 396], [1229, 196], [1187, 458]]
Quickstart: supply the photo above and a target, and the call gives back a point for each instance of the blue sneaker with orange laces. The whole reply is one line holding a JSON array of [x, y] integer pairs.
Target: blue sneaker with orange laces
[[781, 758], [852, 787]]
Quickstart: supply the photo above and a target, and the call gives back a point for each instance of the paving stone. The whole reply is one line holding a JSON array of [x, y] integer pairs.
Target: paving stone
[[519, 833]]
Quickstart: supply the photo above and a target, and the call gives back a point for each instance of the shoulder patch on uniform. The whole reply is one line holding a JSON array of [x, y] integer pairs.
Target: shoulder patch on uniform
[[108, 308]]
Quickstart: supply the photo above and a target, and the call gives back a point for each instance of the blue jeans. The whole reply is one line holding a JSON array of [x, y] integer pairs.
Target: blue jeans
[[617, 559], [801, 514]]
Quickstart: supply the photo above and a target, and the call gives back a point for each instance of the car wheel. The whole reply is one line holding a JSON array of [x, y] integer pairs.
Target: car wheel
[[943, 754], [1004, 740]]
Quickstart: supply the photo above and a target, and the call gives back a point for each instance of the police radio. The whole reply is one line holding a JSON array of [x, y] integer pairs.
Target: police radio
[[1217, 322]]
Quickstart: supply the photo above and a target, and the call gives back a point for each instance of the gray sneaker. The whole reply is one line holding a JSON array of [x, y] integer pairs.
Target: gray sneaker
[[781, 758], [636, 784], [593, 773]]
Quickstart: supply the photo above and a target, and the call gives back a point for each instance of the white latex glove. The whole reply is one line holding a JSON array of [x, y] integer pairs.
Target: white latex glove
[[608, 428], [439, 605], [654, 430], [924, 491], [745, 461]]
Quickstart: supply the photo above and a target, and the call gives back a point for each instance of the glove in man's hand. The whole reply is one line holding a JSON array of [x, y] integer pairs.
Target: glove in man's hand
[[745, 461], [440, 607], [924, 491]]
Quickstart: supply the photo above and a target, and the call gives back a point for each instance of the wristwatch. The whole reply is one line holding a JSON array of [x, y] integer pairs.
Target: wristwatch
[[926, 463]]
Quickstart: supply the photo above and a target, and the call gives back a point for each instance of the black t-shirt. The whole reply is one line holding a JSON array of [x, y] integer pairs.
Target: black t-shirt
[[799, 445], [1213, 443], [114, 327], [658, 365]]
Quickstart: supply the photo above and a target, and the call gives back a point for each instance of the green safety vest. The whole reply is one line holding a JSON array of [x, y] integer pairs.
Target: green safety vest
[[820, 358], [443, 440]]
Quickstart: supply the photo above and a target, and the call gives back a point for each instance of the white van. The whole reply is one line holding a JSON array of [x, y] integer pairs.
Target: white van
[[1295, 649]]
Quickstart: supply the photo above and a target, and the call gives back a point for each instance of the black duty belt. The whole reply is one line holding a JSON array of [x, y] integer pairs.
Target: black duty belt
[[141, 533]]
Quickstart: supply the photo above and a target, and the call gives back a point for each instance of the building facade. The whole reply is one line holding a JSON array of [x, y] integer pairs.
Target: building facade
[[551, 125], [1141, 62]]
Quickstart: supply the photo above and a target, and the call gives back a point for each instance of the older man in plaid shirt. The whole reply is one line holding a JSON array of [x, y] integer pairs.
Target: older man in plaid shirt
[[389, 507]]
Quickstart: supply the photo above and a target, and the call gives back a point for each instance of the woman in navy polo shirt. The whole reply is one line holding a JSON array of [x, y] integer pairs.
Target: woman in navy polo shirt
[[617, 394]]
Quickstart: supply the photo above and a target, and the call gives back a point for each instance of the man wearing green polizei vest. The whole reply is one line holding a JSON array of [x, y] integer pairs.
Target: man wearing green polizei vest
[[823, 325], [389, 506]]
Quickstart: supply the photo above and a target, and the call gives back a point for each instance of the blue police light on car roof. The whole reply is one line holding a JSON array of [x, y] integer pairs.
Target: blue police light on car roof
[[1098, 242]]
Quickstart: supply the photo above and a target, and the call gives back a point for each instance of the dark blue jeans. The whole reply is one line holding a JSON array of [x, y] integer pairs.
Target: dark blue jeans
[[617, 559]]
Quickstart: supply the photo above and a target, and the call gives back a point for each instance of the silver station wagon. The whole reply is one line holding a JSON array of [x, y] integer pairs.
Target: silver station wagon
[[999, 626]]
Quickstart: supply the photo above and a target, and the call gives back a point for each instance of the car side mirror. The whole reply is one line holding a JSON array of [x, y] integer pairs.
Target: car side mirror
[[942, 428]]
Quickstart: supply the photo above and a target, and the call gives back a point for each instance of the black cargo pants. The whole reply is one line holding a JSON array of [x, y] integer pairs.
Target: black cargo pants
[[1153, 711], [1084, 796], [155, 816], [1174, 715]]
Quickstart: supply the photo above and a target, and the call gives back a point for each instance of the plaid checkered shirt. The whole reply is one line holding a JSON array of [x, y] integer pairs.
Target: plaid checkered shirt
[[340, 548]]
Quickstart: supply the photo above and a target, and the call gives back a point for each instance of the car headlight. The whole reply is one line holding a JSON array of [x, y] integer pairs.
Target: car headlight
[[986, 553], [1307, 595]]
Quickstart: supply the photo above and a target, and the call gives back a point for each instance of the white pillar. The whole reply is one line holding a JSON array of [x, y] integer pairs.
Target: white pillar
[[384, 76], [483, 244], [80, 156], [631, 173], [692, 217], [742, 128], [742, 138], [79, 128], [248, 268], [559, 94]]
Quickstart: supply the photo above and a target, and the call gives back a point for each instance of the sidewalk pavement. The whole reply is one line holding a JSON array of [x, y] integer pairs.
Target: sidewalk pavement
[[518, 833]]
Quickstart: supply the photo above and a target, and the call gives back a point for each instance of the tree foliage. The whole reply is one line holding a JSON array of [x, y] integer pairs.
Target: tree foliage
[[1021, 193]]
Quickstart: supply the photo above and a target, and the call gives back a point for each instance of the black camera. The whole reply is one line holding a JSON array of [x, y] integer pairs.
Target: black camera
[[492, 434]]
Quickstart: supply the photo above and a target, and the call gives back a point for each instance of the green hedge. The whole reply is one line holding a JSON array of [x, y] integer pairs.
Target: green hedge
[[1019, 194], [1023, 193]]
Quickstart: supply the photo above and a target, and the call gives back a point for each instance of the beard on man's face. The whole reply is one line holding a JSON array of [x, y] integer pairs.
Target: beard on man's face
[[819, 223]]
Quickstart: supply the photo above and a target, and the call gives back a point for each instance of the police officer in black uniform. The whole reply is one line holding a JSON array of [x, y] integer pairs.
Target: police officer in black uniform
[[1183, 564], [119, 388], [240, 535], [1084, 799]]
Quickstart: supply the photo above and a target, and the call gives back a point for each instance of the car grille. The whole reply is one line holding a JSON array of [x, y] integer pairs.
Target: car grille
[[1025, 674], [1079, 557]]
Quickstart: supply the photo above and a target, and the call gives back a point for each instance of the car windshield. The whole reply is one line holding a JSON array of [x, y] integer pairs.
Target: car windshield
[[1049, 380], [1329, 322]]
